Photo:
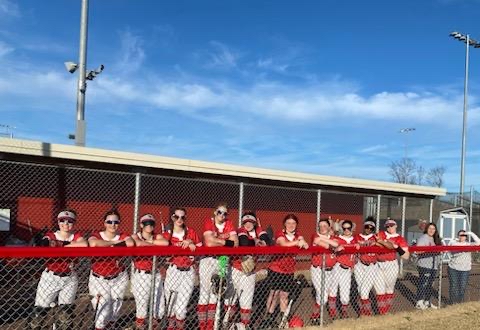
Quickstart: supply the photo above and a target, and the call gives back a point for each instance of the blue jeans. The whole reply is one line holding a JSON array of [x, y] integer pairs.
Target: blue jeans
[[457, 281], [425, 282]]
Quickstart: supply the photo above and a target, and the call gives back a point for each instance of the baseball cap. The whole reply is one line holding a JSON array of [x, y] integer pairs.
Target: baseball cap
[[147, 217], [369, 223], [249, 218], [390, 222], [67, 215]]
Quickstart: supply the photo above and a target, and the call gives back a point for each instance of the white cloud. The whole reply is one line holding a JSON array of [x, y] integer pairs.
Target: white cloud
[[5, 49], [221, 56], [132, 52], [9, 8]]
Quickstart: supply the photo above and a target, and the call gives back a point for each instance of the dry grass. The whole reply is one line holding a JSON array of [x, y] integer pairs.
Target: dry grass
[[464, 316]]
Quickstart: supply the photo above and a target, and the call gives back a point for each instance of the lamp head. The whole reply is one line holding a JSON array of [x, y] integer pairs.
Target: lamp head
[[71, 67]]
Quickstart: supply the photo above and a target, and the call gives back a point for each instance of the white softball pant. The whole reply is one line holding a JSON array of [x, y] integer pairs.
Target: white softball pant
[[341, 279], [53, 286], [242, 289], [316, 273], [367, 277], [388, 277], [207, 268], [141, 285], [178, 289], [108, 294]]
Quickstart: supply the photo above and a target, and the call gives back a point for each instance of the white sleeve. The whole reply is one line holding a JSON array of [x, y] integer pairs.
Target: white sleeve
[[474, 237]]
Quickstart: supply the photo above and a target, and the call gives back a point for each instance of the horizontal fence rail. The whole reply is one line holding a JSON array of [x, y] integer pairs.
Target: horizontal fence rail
[[220, 288]]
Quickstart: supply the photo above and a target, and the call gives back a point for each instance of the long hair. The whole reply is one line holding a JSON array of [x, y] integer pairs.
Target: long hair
[[436, 236], [288, 217]]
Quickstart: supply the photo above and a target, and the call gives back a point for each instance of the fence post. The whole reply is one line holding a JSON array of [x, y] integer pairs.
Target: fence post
[[136, 207], [440, 275], [240, 205], [378, 213], [152, 295], [319, 203], [322, 290], [431, 211], [404, 207]]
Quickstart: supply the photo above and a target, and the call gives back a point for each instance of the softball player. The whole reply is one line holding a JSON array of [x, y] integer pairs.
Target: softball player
[[108, 278], [366, 268], [59, 282], [323, 238], [218, 231], [388, 264], [342, 272], [243, 279], [142, 271], [281, 271], [179, 280]]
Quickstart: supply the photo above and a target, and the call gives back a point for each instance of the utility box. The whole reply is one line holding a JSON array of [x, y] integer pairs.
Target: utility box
[[451, 221]]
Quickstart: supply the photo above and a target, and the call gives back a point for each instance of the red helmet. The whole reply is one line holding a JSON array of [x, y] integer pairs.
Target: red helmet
[[295, 322]]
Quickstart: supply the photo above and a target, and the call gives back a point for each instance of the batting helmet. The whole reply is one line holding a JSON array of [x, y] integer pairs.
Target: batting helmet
[[295, 322]]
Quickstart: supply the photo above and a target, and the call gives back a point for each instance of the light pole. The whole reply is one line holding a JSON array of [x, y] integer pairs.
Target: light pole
[[83, 76], [468, 42], [406, 131]]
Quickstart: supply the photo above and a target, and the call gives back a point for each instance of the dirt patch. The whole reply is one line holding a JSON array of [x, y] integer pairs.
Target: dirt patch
[[463, 316]]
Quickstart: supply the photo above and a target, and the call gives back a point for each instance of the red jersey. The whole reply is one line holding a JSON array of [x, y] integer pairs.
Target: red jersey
[[143, 263], [175, 239], [330, 258], [346, 259], [107, 266], [366, 240], [224, 231], [396, 239], [285, 265], [251, 235], [61, 265]]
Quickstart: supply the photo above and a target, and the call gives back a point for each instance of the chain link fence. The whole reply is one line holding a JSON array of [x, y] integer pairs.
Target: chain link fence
[[36, 294]]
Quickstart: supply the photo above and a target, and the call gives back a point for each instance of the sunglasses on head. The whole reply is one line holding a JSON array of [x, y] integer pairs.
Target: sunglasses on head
[[66, 221], [347, 228], [149, 223], [220, 212], [112, 222], [176, 217]]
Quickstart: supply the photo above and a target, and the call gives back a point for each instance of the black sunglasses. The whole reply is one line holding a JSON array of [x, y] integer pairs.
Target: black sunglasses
[[149, 223], [369, 227], [347, 228], [220, 212], [176, 217], [112, 222], [65, 221], [463, 235]]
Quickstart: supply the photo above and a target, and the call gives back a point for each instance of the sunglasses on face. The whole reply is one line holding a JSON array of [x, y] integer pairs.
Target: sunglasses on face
[[389, 226], [66, 221], [347, 228], [149, 223], [112, 222], [369, 227], [176, 217], [463, 235], [220, 212]]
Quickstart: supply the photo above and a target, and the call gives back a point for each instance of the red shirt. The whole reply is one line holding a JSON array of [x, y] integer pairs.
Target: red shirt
[[237, 261], [396, 239], [143, 263], [61, 265], [107, 266], [285, 265], [226, 232], [366, 240], [330, 258], [346, 259], [175, 239]]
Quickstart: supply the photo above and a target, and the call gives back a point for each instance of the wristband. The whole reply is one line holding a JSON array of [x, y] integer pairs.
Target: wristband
[[229, 243], [65, 243], [400, 251], [121, 244]]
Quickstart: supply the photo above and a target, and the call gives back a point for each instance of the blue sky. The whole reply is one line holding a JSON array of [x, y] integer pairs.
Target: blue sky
[[311, 86]]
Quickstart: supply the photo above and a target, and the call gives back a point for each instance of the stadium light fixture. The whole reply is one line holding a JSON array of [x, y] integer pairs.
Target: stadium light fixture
[[468, 42]]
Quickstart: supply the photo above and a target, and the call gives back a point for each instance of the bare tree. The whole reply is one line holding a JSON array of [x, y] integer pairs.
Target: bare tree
[[435, 176], [420, 174], [404, 171]]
